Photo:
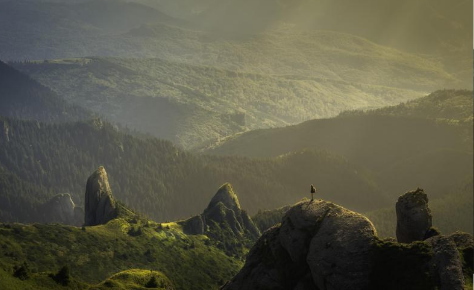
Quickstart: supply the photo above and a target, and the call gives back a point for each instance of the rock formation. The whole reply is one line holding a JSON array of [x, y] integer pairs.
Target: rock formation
[[446, 264], [223, 211], [100, 206], [413, 216], [61, 209], [320, 245]]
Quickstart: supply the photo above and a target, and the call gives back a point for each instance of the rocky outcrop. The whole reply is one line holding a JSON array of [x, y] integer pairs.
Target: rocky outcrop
[[446, 264], [320, 245], [194, 226], [223, 212], [414, 219], [61, 209], [465, 244], [100, 206]]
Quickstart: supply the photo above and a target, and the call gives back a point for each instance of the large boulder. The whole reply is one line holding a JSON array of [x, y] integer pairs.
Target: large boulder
[[100, 206], [414, 218], [339, 253], [269, 267], [319, 245]]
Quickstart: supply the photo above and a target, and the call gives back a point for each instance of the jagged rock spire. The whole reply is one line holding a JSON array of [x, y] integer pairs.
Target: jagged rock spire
[[100, 205], [414, 218], [227, 196], [223, 210]]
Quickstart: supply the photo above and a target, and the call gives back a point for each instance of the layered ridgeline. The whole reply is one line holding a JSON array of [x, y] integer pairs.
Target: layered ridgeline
[[224, 94], [24, 98], [42, 29], [145, 254], [108, 28], [39, 161], [321, 245], [426, 142]]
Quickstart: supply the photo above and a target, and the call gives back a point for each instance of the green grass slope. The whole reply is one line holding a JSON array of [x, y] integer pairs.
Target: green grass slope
[[95, 253], [136, 279]]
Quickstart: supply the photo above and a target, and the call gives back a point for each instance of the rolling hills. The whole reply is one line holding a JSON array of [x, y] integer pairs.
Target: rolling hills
[[423, 143], [196, 104]]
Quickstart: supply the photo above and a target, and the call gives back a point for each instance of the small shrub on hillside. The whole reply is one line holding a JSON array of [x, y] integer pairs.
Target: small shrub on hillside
[[135, 231], [63, 276], [22, 272], [152, 283]]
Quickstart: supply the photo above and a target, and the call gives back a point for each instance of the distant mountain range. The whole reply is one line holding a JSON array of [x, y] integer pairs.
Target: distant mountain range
[[359, 160], [272, 83], [439, 30], [422, 143]]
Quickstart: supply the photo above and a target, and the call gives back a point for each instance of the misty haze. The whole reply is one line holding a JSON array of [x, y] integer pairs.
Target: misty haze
[[236, 144]]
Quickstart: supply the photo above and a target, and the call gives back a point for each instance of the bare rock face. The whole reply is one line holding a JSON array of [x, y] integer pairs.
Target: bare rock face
[[414, 218], [339, 253], [319, 245], [61, 209], [100, 205], [224, 211], [465, 244], [446, 264], [194, 226]]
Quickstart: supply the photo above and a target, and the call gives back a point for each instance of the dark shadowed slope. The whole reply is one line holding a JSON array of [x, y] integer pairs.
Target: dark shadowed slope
[[24, 98], [159, 179], [426, 143]]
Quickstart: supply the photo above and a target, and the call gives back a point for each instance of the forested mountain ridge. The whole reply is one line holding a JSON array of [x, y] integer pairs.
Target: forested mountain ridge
[[425, 143], [454, 106], [155, 177], [24, 98], [193, 104]]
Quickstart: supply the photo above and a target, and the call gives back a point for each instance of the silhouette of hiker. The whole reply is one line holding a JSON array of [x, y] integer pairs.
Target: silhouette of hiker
[[313, 191]]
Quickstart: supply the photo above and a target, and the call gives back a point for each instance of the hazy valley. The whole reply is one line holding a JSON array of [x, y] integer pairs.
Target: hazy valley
[[236, 145]]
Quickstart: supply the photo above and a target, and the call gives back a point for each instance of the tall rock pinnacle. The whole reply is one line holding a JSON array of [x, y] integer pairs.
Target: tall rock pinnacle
[[223, 211], [100, 205], [413, 216]]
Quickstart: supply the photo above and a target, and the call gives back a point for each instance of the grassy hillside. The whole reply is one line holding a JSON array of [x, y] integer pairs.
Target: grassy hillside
[[38, 161], [95, 253], [24, 98]]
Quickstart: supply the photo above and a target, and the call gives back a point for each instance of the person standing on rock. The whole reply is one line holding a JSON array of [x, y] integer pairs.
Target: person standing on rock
[[313, 191]]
